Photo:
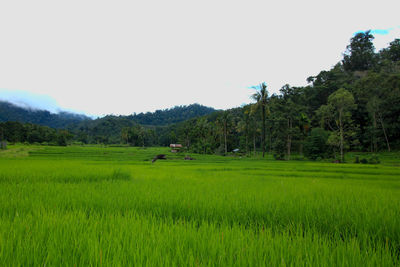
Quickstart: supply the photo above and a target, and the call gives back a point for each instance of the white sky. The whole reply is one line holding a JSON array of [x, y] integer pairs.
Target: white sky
[[120, 57]]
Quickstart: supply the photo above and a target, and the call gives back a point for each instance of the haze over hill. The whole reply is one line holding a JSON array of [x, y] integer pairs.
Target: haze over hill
[[13, 112], [62, 119]]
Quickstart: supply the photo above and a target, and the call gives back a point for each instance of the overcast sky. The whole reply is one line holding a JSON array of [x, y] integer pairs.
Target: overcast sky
[[120, 57]]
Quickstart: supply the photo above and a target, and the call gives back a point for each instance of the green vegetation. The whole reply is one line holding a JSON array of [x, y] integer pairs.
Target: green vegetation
[[357, 103], [171, 115], [33, 133], [10, 112], [97, 205]]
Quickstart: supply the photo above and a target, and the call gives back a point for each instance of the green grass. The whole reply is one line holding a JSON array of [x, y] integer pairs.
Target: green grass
[[110, 206]]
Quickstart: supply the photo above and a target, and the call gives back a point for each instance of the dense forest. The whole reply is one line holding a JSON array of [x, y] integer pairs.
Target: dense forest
[[33, 133], [11, 112], [172, 115], [105, 130], [353, 106]]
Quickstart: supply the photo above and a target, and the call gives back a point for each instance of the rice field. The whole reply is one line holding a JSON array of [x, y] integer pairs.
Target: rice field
[[110, 206]]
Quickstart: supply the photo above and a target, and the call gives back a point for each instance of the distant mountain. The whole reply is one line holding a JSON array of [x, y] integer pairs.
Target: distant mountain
[[172, 115], [11, 112], [108, 129]]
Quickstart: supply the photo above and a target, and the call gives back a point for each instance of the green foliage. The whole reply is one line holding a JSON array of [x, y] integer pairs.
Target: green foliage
[[373, 159], [15, 132], [279, 149], [11, 112], [360, 53], [392, 53], [316, 145], [261, 98], [172, 115], [337, 115]]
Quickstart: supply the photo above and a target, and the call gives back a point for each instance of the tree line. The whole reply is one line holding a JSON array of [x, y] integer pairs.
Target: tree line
[[16, 132], [353, 106]]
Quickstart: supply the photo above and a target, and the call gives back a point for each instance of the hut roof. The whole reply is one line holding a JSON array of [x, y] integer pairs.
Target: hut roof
[[175, 145]]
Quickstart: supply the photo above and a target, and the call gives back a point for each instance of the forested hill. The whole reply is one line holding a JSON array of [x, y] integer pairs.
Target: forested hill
[[107, 129], [11, 112], [172, 115], [110, 129]]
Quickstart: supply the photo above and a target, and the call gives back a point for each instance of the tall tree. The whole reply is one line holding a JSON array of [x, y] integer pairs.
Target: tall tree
[[374, 106], [292, 112], [339, 107], [261, 98], [125, 135], [360, 54], [224, 121], [393, 51], [203, 130]]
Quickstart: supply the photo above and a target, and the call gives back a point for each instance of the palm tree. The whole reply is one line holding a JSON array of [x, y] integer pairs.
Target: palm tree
[[224, 121], [261, 98]]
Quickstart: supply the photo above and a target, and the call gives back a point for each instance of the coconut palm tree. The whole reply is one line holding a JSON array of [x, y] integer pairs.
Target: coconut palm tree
[[261, 98], [224, 122]]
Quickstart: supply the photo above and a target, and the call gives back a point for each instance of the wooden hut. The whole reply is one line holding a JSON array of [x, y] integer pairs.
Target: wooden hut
[[175, 147]]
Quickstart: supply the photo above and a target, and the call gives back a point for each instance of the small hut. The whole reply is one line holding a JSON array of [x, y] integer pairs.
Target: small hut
[[175, 147]]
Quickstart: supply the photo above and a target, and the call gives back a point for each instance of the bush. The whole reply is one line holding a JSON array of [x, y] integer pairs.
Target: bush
[[61, 140], [315, 145], [279, 149], [374, 160]]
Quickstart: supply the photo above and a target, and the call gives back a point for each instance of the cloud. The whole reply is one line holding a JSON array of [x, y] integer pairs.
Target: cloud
[[381, 31], [29, 100], [377, 31]]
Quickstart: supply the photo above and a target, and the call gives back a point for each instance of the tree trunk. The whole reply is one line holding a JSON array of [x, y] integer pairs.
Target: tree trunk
[[374, 133], [384, 132], [301, 145], [263, 132], [254, 143], [289, 139], [341, 135], [225, 133], [247, 143], [270, 140]]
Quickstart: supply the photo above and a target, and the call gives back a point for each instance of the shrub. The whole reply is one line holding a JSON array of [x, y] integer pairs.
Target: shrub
[[315, 145], [374, 160], [279, 149]]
